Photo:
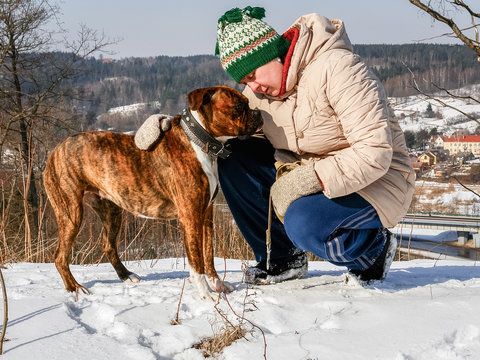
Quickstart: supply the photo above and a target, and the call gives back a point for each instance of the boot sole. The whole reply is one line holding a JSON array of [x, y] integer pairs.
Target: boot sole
[[291, 274]]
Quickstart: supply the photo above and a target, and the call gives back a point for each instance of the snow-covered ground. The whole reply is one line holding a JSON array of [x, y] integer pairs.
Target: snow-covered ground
[[411, 111], [426, 309], [449, 198], [128, 109]]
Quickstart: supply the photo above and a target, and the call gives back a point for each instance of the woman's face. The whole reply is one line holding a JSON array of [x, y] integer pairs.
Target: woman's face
[[266, 79]]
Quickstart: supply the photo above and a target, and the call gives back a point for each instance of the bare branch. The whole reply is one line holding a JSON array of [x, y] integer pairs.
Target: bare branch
[[466, 187], [471, 43], [434, 98], [455, 95], [449, 34], [466, 7]]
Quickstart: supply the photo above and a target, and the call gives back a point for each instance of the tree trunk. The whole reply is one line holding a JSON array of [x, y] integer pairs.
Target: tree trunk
[[31, 187], [26, 148]]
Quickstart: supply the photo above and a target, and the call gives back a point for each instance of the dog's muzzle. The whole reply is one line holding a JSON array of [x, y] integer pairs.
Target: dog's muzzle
[[257, 119]]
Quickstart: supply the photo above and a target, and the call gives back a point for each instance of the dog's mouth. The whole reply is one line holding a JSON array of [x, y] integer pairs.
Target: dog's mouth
[[255, 122], [258, 118]]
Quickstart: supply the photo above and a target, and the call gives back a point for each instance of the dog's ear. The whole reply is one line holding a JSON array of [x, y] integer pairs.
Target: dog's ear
[[200, 97]]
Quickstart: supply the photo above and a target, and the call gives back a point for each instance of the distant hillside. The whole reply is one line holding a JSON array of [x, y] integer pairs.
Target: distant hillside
[[448, 66], [166, 80], [416, 114]]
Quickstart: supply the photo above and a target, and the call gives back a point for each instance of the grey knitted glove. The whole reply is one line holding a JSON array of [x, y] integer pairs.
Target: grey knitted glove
[[151, 130], [299, 182]]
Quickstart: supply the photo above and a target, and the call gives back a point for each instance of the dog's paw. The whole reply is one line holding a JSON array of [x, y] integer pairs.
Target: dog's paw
[[210, 295], [220, 286], [133, 278], [201, 283]]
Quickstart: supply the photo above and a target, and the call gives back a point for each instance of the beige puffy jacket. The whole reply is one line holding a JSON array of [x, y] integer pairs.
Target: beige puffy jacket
[[335, 112]]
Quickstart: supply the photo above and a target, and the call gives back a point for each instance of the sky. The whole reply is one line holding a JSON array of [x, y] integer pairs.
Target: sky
[[183, 28]]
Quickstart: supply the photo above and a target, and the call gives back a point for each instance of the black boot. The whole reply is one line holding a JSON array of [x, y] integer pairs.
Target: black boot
[[379, 269], [288, 268]]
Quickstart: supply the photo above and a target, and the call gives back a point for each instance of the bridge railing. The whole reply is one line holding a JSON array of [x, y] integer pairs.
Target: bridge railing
[[464, 225]]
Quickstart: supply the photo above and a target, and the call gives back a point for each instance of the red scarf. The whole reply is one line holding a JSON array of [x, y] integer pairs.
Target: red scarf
[[292, 36]]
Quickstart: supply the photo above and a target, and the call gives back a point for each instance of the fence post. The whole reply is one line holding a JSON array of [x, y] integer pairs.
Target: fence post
[[476, 240], [462, 237]]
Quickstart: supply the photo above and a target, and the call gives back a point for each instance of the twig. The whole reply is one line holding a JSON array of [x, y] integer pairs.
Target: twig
[[472, 44], [176, 321], [428, 96], [242, 318], [466, 187], [449, 34], [5, 311], [438, 258], [456, 96], [466, 7]]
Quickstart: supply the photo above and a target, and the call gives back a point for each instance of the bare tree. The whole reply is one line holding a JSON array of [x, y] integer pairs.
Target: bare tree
[[447, 11], [32, 78], [451, 13]]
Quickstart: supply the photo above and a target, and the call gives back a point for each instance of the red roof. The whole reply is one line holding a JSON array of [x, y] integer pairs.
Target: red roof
[[462, 138]]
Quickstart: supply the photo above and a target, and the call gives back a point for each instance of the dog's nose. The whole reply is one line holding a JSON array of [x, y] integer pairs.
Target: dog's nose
[[258, 117]]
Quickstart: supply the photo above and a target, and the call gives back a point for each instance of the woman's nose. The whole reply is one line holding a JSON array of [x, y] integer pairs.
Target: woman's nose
[[253, 85]]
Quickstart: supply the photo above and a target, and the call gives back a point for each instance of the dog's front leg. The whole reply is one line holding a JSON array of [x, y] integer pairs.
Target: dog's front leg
[[201, 284], [193, 227], [215, 283]]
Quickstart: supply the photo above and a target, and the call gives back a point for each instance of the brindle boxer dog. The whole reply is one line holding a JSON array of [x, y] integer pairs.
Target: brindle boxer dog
[[111, 173]]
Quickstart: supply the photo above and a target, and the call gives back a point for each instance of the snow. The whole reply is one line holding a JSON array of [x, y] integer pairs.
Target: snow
[[425, 309], [127, 109], [411, 111], [452, 196]]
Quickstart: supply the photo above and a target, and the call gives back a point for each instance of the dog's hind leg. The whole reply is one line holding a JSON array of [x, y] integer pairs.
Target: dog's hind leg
[[69, 220], [111, 216], [66, 200]]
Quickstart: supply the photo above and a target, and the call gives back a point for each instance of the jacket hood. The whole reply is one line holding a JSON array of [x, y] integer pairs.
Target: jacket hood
[[317, 34]]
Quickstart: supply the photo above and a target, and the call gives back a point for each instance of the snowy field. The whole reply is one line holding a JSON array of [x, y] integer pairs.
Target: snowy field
[[411, 111], [448, 198], [426, 309]]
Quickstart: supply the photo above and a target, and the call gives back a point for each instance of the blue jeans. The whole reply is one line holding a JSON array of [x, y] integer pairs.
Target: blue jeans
[[345, 231]]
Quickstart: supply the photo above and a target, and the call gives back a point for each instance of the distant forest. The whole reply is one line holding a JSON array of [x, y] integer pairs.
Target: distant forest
[[165, 81], [448, 66]]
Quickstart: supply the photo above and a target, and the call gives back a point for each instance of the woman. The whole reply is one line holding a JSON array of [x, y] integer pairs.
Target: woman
[[323, 107]]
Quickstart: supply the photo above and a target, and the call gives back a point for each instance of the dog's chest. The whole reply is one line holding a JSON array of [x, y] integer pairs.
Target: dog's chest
[[209, 166]]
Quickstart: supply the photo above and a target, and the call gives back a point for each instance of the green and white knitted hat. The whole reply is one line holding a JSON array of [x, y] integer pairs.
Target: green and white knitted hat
[[245, 43]]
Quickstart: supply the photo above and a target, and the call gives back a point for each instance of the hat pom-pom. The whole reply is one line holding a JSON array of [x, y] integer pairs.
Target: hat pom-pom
[[232, 16], [257, 12]]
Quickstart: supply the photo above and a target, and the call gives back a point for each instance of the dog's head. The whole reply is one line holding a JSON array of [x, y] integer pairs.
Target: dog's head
[[224, 111]]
